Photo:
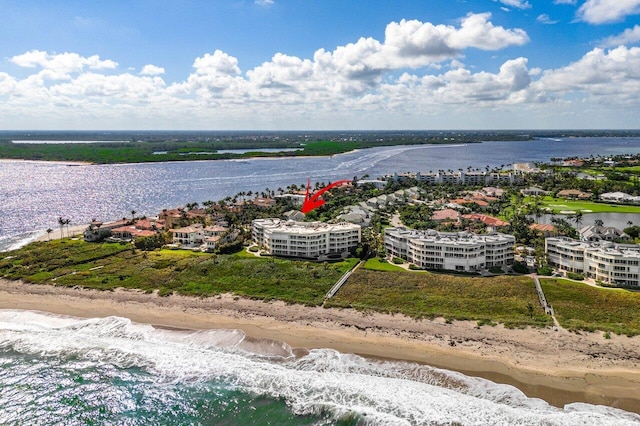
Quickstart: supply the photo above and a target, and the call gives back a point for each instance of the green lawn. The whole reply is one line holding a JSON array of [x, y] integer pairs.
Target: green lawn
[[109, 266], [374, 264], [560, 204], [486, 300], [581, 307]]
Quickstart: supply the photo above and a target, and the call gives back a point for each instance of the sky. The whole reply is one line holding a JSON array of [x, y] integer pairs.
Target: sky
[[319, 64]]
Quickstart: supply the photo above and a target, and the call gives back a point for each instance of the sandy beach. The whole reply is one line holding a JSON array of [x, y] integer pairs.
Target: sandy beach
[[557, 366]]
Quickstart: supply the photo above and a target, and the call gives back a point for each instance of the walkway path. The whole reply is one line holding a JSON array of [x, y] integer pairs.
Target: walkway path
[[341, 281], [543, 300]]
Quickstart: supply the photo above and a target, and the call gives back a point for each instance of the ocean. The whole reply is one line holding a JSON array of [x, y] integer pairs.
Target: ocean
[[57, 370]]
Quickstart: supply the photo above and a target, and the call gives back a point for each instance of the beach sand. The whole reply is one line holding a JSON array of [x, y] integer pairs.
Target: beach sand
[[557, 366]]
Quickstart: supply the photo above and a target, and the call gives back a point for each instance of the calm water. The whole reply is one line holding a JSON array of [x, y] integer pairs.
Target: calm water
[[33, 195], [68, 371]]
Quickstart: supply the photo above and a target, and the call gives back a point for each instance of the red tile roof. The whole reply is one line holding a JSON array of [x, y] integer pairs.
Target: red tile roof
[[487, 220]]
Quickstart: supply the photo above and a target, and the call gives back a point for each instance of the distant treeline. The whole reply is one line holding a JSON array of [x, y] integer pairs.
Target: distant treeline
[[138, 147]]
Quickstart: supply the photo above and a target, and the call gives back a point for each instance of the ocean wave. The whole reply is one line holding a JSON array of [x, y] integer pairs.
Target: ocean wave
[[323, 380]]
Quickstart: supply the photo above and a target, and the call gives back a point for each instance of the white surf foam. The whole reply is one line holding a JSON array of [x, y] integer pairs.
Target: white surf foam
[[322, 381]]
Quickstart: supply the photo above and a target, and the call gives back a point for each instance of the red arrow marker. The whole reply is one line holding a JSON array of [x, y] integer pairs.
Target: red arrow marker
[[312, 202]]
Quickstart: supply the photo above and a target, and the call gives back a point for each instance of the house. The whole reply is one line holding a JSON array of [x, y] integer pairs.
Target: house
[[296, 215], [534, 191], [544, 229], [573, 163], [445, 215], [619, 197], [491, 221], [594, 233], [130, 233], [459, 251], [379, 184], [98, 231], [264, 203], [574, 194], [189, 235]]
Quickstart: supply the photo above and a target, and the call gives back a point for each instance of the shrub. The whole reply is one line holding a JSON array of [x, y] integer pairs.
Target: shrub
[[575, 276], [520, 267], [397, 261], [414, 267], [254, 249], [545, 270], [496, 269]]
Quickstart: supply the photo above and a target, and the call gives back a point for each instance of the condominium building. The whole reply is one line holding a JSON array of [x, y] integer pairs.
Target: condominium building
[[459, 251], [305, 239], [604, 261]]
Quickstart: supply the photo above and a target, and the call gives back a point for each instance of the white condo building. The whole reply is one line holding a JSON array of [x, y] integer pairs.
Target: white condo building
[[604, 261], [459, 251], [305, 239]]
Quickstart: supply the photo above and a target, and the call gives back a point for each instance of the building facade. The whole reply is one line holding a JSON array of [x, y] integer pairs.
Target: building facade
[[305, 239], [459, 251], [604, 261]]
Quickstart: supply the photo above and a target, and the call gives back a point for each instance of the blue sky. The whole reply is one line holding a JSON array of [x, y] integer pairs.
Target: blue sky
[[320, 64]]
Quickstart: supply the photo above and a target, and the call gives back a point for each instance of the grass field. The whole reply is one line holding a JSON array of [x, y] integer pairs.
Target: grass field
[[581, 307], [374, 264], [560, 204], [109, 266], [486, 300]]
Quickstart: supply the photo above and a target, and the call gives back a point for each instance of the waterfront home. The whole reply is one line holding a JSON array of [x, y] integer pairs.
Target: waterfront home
[[312, 240], [619, 197], [574, 194], [490, 221], [130, 233], [263, 203], [544, 229], [98, 231], [617, 264], [196, 235], [592, 233], [534, 191], [458, 251]]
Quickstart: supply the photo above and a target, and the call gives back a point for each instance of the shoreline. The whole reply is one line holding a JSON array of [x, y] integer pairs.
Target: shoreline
[[559, 367]]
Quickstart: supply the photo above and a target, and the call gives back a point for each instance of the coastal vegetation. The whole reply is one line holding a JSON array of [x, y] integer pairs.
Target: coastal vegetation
[[503, 299], [581, 307], [135, 147], [109, 266]]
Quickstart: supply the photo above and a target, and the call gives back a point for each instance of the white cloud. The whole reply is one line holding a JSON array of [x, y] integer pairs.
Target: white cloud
[[151, 70], [520, 4], [572, 2], [628, 36], [545, 19], [607, 76], [415, 73], [218, 63], [264, 3], [605, 11]]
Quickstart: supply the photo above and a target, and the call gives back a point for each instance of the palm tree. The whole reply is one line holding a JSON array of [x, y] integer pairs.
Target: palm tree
[[133, 218], [49, 231], [61, 223], [67, 222]]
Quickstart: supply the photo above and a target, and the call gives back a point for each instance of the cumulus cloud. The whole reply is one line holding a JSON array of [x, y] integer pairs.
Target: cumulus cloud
[[416, 69], [606, 11], [65, 62], [151, 70], [628, 36], [520, 4], [572, 2], [610, 76]]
